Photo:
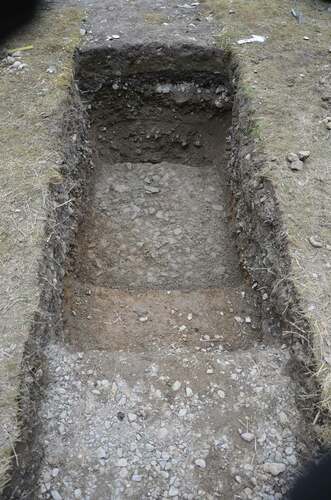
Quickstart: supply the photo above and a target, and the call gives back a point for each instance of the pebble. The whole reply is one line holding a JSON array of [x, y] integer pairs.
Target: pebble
[[122, 462], [77, 493], [176, 386], [173, 492], [132, 417], [292, 460], [152, 189], [274, 468], [143, 319], [303, 155], [247, 436], [296, 165], [315, 243], [292, 157], [136, 477], [101, 452], [199, 462], [56, 495], [189, 392]]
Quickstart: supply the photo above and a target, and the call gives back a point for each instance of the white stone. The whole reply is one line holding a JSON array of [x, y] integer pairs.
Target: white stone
[[101, 452], [199, 462], [189, 392], [56, 495], [247, 436], [274, 468], [136, 477], [176, 386]]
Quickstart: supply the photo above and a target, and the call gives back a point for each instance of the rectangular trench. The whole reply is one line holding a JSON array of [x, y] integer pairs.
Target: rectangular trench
[[155, 246], [160, 386]]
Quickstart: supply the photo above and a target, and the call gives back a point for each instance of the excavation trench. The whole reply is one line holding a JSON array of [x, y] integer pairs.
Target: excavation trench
[[161, 385], [155, 262]]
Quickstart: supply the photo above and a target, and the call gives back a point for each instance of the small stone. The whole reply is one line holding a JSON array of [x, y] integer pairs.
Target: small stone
[[296, 166], [292, 460], [199, 462], [51, 70], [132, 417], [306, 37], [247, 436], [143, 319], [291, 157], [248, 319], [101, 452], [274, 468], [209, 371], [303, 155], [182, 412], [176, 386], [77, 493], [221, 394], [122, 462], [188, 392], [248, 492], [177, 231], [182, 328], [238, 319], [152, 189], [173, 492], [82, 32], [190, 316], [136, 477], [55, 472], [315, 243], [56, 495]]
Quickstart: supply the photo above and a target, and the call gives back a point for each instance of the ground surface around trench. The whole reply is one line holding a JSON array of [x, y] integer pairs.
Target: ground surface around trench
[[161, 388]]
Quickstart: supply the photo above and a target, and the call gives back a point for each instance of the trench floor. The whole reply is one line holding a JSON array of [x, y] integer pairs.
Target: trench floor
[[161, 387]]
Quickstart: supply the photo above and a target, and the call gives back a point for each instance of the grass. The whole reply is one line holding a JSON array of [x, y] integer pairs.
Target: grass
[[283, 80], [32, 103]]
